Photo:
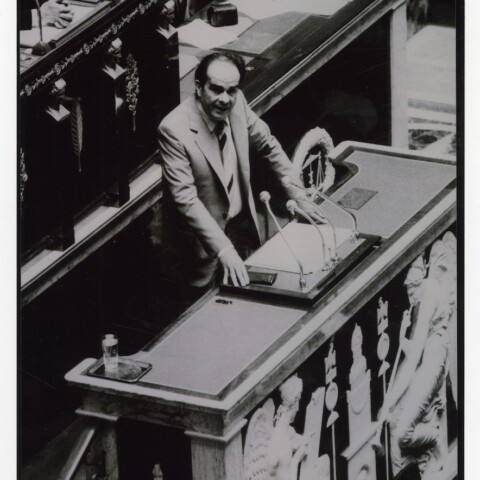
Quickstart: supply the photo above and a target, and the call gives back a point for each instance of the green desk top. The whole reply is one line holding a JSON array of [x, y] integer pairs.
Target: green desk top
[[217, 343]]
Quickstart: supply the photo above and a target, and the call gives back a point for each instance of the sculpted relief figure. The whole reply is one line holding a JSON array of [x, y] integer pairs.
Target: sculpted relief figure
[[287, 447], [273, 449], [416, 400], [359, 366]]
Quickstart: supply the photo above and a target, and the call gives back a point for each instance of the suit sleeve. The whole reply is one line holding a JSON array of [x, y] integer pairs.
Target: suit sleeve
[[267, 146], [179, 180]]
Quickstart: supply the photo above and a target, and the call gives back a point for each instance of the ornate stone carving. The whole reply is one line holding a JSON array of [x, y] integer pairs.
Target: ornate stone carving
[[157, 472], [332, 388], [23, 174], [287, 447], [312, 466], [311, 158], [331, 399], [55, 108], [113, 57], [117, 74], [416, 397], [133, 87], [383, 345], [360, 457], [257, 441], [76, 129], [273, 449]]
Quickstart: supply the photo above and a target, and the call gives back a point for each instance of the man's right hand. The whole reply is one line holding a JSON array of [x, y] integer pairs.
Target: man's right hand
[[57, 12], [234, 268]]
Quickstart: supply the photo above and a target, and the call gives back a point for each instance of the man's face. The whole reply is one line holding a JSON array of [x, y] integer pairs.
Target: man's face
[[219, 92]]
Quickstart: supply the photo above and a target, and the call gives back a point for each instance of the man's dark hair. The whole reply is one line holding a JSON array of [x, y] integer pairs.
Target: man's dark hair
[[233, 58]]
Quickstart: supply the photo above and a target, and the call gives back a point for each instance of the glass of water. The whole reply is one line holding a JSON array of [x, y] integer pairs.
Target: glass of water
[[110, 352]]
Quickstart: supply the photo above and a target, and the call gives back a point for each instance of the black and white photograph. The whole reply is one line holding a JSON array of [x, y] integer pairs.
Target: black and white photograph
[[240, 233]]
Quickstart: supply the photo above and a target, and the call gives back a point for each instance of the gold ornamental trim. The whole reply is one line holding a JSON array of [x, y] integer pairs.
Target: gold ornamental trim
[[87, 48]]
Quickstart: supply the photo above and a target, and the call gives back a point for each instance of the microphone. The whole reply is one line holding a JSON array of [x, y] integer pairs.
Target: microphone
[[265, 198], [292, 208], [41, 47], [286, 181], [314, 192]]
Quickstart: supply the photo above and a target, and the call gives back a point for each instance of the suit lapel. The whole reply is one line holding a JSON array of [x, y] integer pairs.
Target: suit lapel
[[207, 142], [240, 139]]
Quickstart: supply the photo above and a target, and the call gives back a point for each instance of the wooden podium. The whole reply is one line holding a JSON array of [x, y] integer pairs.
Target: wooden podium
[[224, 357]]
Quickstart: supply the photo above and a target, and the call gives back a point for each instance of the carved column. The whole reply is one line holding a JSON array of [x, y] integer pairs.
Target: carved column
[[155, 53], [113, 80], [101, 460], [53, 170], [360, 455], [331, 398], [216, 457]]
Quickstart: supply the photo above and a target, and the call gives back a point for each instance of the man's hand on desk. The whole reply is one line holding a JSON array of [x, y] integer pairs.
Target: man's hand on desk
[[233, 267], [310, 210], [56, 12]]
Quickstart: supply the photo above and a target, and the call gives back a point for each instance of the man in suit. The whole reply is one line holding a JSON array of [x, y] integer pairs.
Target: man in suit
[[209, 216]]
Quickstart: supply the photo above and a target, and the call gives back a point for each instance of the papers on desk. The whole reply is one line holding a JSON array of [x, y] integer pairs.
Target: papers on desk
[[305, 242], [28, 38], [204, 36], [257, 9]]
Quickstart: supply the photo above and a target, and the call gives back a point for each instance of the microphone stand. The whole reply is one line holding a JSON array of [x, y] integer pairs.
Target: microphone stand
[[350, 214], [265, 198], [41, 47], [286, 181], [292, 208]]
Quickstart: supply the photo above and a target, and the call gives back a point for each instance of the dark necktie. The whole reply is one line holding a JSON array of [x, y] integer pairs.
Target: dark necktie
[[221, 135], [220, 131]]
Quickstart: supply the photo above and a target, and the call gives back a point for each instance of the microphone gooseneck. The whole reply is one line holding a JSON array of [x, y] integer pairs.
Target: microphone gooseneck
[[350, 214], [265, 198], [287, 181], [41, 47], [39, 13], [292, 207]]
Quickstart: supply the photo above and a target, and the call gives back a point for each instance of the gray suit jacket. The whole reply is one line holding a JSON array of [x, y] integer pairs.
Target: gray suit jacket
[[196, 200]]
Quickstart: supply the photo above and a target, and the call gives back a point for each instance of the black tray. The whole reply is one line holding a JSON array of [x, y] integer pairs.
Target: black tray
[[128, 371]]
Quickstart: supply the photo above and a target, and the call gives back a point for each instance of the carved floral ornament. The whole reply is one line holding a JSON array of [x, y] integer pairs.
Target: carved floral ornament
[[383, 345], [23, 174], [274, 450], [87, 47], [314, 145], [132, 87]]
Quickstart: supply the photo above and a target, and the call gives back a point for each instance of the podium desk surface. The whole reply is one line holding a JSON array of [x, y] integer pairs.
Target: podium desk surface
[[218, 342], [230, 350]]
